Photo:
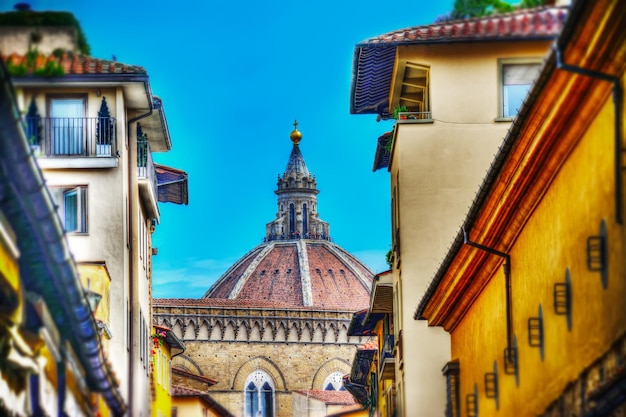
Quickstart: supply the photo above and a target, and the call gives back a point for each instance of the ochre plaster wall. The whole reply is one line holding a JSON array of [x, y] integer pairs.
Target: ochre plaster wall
[[553, 240]]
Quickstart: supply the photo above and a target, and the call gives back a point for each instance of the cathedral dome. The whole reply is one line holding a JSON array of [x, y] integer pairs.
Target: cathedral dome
[[295, 273], [297, 265]]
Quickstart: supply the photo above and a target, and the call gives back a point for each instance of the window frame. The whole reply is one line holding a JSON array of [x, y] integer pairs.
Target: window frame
[[59, 194], [406, 91], [259, 378], [50, 142], [502, 62]]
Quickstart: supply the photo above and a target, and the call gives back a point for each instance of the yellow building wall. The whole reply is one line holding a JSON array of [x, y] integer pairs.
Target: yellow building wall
[[8, 266], [191, 407], [97, 279], [161, 380], [553, 240]]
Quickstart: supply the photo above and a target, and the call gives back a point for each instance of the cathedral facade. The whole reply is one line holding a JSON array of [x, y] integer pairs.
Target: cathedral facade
[[277, 320]]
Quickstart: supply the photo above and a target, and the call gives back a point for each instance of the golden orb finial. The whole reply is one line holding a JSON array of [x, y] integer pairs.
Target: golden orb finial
[[295, 135]]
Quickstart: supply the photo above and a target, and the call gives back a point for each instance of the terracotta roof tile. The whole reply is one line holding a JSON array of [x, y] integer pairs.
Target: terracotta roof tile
[[271, 275], [77, 64], [201, 378], [374, 58], [370, 345], [540, 21], [329, 397], [178, 391]]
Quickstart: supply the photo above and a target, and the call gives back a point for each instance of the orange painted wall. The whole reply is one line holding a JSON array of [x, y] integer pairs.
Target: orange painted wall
[[553, 239]]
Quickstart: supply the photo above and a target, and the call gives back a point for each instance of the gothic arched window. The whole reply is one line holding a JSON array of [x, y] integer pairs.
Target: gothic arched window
[[334, 382], [305, 223], [259, 400]]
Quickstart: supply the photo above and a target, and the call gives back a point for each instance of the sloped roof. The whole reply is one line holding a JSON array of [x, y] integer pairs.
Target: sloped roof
[[373, 59], [329, 397], [76, 64], [540, 22], [200, 378]]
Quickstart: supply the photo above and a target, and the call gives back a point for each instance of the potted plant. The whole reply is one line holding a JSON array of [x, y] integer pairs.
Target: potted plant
[[400, 109], [104, 130], [33, 127]]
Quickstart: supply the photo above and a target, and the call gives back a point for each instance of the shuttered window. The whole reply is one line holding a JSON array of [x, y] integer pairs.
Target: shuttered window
[[516, 81]]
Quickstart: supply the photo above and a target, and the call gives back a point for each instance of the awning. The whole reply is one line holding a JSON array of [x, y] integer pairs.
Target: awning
[[363, 323], [172, 185]]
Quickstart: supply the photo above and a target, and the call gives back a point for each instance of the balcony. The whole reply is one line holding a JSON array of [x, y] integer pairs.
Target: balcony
[[73, 142], [387, 360], [147, 178], [415, 117]]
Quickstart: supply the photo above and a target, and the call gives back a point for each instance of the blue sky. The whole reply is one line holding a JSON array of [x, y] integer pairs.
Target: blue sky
[[233, 76]]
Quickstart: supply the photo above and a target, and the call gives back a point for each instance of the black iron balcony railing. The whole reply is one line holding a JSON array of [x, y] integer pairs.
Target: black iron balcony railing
[[387, 360], [145, 164], [72, 136], [388, 347]]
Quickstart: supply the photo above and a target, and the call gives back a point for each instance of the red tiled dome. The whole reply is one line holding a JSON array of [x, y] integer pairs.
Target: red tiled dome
[[297, 273]]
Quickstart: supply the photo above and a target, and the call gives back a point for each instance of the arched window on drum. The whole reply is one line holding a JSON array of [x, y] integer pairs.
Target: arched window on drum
[[259, 401]]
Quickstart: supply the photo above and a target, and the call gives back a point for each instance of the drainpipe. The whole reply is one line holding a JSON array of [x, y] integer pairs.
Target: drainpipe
[[132, 157], [507, 276], [617, 102]]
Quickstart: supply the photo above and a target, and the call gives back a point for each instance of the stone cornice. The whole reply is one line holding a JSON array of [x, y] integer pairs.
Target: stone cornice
[[232, 326]]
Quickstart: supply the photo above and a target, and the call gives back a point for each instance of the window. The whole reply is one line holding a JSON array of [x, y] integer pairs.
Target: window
[[516, 81], [71, 205], [334, 382], [259, 395], [67, 126], [414, 89]]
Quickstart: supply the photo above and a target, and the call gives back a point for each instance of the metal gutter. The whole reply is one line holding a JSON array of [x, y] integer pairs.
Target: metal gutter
[[46, 265], [617, 123]]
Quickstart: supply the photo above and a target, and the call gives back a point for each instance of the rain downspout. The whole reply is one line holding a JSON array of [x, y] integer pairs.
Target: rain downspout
[[132, 171], [617, 102], [509, 310]]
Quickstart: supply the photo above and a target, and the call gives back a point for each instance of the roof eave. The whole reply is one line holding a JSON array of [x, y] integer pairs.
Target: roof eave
[[426, 308]]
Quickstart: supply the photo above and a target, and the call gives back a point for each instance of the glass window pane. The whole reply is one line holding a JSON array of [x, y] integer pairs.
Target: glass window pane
[[67, 126], [514, 96], [516, 81], [70, 200]]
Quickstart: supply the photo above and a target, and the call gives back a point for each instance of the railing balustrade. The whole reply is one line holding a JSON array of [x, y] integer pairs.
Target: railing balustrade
[[386, 352], [415, 115], [388, 346], [72, 136], [145, 163]]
